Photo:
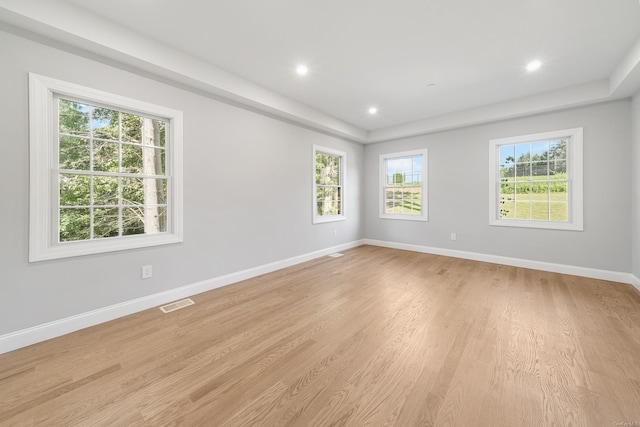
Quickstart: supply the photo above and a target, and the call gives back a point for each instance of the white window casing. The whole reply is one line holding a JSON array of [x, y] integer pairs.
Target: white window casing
[[327, 208], [44, 242], [572, 140], [393, 203]]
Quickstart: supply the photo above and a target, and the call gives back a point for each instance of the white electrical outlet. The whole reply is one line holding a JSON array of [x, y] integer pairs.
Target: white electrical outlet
[[335, 233], [147, 271], [454, 236]]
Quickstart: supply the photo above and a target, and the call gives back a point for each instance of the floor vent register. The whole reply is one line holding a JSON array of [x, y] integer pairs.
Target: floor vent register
[[177, 305]]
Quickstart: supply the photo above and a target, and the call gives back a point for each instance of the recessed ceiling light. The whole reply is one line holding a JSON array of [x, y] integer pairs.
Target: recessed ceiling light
[[373, 110], [533, 65], [302, 69]]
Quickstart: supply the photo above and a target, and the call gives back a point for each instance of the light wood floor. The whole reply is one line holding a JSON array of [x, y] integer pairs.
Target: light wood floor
[[377, 337]]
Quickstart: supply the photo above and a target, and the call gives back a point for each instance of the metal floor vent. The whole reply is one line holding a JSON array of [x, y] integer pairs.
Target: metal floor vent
[[335, 255], [177, 305]]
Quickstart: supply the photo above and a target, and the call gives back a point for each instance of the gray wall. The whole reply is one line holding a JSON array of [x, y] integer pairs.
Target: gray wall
[[635, 167], [235, 221], [459, 191], [247, 195]]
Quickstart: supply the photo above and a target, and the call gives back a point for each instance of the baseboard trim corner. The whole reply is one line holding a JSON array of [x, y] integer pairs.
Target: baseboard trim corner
[[25, 337], [593, 273], [635, 282]]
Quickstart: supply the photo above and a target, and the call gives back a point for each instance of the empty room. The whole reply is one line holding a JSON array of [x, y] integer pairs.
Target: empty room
[[299, 213]]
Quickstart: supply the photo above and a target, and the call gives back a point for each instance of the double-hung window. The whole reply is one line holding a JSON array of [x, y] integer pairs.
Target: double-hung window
[[105, 171], [329, 168], [536, 180], [403, 185]]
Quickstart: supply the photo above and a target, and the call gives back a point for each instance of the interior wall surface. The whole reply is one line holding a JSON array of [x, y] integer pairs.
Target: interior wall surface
[[458, 191], [247, 194]]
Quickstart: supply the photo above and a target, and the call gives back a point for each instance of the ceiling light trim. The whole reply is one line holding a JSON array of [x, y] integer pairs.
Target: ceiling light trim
[[302, 70], [534, 65]]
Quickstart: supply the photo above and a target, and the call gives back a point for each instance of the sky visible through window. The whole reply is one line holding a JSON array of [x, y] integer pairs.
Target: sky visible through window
[[404, 170]]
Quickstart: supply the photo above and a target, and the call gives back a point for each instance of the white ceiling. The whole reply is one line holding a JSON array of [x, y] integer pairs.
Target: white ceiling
[[366, 52]]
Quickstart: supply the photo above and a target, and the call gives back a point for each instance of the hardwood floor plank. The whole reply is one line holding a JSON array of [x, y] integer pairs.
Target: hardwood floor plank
[[377, 337], [67, 387]]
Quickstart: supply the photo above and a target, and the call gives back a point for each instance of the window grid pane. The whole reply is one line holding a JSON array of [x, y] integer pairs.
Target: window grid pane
[[328, 200], [403, 185], [328, 184], [112, 177], [533, 184]]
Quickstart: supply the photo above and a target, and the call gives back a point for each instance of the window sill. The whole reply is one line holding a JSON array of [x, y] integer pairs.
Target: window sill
[[537, 224], [421, 218], [79, 248], [321, 220]]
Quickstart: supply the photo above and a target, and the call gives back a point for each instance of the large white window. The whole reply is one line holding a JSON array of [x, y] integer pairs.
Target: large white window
[[536, 180], [106, 171], [329, 168], [403, 185]]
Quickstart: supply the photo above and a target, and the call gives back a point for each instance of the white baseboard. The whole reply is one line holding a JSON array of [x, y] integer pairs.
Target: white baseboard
[[25, 337], [593, 273]]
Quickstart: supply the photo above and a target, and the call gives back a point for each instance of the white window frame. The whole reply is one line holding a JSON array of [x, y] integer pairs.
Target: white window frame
[[574, 180], [317, 219], [424, 215], [43, 228]]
